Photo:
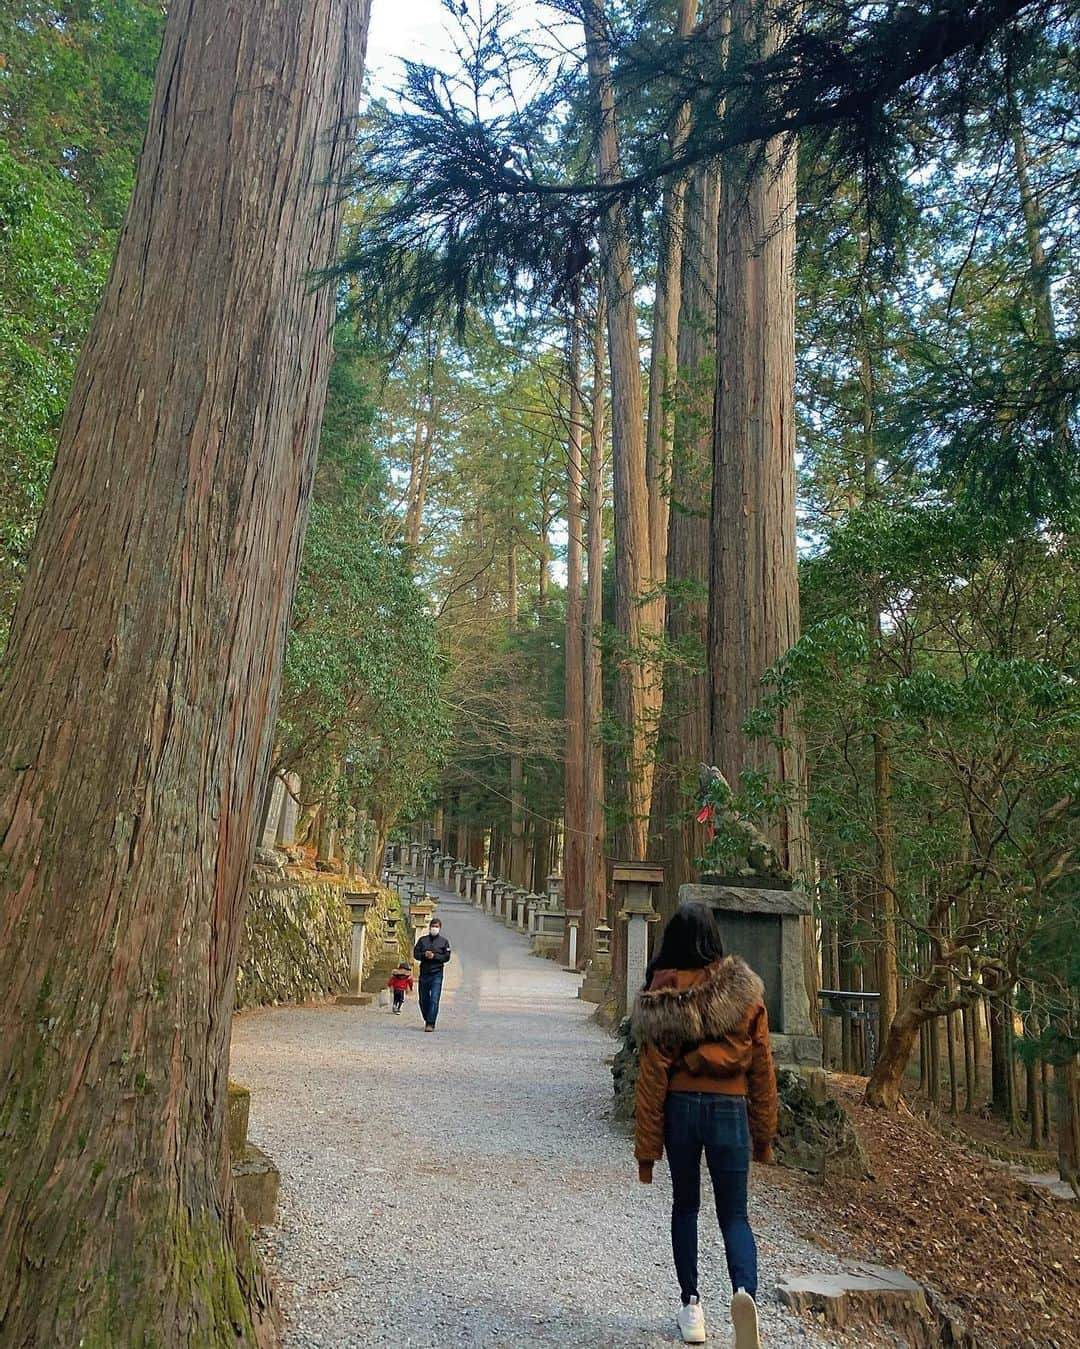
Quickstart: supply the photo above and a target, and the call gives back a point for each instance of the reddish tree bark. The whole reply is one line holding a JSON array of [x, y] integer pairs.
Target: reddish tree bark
[[574, 788], [140, 685], [631, 496], [674, 836], [595, 899]]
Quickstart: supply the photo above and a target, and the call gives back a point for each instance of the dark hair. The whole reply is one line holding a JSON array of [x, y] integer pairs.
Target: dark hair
[[691, 940]]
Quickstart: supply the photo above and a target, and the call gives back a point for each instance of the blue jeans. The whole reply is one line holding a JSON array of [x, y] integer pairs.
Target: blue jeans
[[429, 990], [709, 1122]]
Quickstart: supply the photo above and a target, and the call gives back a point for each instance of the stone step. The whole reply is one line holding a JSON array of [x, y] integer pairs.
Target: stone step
[[871, 1295]]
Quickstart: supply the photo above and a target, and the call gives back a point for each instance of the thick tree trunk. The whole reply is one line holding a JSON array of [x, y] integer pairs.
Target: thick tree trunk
[[753, 594], [1067, 1091], [888, 979], [883, 1089], [574, 773], [593, 896], [955, 1052], [1000, 1093], [632, 552], [517, 768], [659, 430], [1034, 1095], [676, 839], [140, 686]]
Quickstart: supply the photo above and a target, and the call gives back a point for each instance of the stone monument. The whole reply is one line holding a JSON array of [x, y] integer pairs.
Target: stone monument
[[763, 923]]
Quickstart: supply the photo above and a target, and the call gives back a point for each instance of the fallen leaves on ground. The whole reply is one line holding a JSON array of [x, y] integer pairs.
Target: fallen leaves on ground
[[1006, 1256]]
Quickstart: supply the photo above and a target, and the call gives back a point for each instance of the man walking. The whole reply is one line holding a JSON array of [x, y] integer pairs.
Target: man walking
[[432, 951]]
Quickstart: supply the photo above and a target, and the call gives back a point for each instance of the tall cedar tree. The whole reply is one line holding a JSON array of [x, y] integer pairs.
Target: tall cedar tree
[[140, 685]]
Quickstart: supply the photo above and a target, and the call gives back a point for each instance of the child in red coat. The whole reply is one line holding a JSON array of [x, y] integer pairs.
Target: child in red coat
[[401, 982]]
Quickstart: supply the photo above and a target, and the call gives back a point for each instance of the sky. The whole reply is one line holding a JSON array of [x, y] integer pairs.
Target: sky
[[411, 28]]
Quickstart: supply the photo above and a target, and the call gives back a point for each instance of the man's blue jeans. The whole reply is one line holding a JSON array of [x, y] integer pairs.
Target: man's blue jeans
[[430, 991], [709, 1122]]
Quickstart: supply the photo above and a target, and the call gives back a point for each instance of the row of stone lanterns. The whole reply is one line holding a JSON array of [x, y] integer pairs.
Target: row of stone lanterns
[[547, 919], [758, 918]]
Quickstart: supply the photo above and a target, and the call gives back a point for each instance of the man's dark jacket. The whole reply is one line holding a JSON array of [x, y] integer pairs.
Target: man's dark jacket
[[440, 949]]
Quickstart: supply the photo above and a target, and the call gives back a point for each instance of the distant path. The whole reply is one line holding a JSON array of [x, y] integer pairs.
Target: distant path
[[465, 1188]]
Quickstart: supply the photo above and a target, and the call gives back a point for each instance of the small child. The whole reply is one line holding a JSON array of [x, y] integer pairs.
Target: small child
[[401, 982]]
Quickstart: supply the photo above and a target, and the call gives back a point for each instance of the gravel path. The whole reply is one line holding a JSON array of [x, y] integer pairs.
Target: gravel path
[[465, 1188]]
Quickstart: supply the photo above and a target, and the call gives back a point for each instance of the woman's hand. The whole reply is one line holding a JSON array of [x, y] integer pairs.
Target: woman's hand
[[644, 1172]]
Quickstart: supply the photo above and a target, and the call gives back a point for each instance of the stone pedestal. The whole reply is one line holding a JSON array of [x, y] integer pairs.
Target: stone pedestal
[[637, 949], [273, 813], [573, 923], [290, 812], [328, 843], [598, 976], [549, 932], [597, 980], [765, 927]]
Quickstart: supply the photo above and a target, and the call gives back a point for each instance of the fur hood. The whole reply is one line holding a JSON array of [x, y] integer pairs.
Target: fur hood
[[710, 1009]]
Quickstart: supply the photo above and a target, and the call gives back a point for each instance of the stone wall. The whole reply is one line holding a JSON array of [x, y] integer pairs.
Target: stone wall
[[297, 934]]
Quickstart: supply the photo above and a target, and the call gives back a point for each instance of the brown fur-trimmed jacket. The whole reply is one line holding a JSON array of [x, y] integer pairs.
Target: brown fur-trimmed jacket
[[703, 1030]]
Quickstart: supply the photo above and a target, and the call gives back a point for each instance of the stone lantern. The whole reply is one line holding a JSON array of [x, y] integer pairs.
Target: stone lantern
[[555, 890], [390, 934], [360, 903], [506, 904], [635, 884], [602, 943], [419, 917], [598, 976]]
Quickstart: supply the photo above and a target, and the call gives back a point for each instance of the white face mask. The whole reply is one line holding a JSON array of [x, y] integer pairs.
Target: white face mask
[[436, 931]]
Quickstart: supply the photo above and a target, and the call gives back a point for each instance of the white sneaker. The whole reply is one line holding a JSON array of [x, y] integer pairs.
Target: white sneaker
[[744, 1319], [692, 1322]]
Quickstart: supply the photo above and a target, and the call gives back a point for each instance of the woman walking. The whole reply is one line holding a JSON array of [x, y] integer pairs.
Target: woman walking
[[706, 1084]]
